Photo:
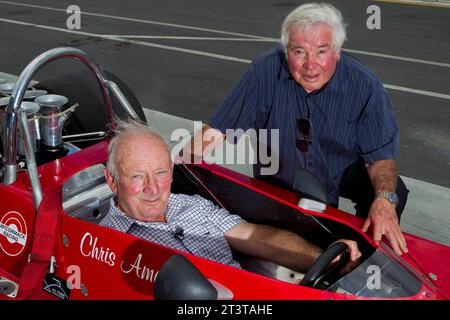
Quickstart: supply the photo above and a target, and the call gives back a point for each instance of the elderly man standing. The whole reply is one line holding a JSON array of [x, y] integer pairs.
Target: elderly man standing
[[139, 171], [333, 115]]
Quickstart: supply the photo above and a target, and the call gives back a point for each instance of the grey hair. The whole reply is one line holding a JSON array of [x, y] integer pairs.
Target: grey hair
[[309, 15], [123, 129]]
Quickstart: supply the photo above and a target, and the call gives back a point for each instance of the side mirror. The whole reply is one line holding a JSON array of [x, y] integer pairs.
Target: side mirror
[[179, 279], [313, 194]]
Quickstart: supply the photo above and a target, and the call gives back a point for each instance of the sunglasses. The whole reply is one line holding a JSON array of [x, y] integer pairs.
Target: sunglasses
[[303, 126]]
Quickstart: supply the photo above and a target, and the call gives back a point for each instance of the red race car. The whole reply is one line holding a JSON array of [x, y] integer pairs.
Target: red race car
[[53, 195]]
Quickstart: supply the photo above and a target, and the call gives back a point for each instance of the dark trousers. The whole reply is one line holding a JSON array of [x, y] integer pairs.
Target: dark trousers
[[356, 186]]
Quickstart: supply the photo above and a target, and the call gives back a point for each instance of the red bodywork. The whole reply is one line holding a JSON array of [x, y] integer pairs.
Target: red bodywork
[[106, 264]]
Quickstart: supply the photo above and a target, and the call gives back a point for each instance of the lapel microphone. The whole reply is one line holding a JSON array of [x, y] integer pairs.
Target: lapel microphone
[[179, 233]]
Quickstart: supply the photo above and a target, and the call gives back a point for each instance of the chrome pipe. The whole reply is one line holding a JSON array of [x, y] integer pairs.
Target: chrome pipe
[[122, 100], [98, 134], [17, 97], [31, 160]]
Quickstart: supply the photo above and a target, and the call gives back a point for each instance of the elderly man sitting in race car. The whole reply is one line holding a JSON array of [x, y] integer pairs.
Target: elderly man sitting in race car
[[139, 172]]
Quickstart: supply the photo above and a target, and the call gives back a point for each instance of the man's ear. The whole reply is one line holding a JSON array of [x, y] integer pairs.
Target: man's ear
[[337, 55], [110, 180]]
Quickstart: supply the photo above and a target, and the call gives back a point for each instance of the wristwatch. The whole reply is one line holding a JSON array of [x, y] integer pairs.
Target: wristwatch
[[390, 196]]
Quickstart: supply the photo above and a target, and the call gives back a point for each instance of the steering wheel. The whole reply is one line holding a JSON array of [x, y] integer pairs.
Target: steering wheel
[[317, 273]]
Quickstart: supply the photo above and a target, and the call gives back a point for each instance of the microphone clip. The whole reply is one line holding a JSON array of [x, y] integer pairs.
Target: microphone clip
[[179, 233]]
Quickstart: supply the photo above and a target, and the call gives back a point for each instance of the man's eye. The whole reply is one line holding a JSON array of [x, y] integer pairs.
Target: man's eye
[[300, 53], [323, 51], [161, 173], [137, 176]]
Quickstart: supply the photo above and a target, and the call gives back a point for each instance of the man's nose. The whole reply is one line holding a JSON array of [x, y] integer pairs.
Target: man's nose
[[151, 186], [309, 61]]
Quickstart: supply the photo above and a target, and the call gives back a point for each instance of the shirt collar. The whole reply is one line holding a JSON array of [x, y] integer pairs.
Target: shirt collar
[[284, 74], [120, 221], [336, 83]]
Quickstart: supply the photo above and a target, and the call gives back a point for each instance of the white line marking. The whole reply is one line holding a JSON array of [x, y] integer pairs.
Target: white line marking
[[133, 20], [418, 2], [388, 56], [196, 52], [417, 91], [191, 38], [147, 44], [263, 39]]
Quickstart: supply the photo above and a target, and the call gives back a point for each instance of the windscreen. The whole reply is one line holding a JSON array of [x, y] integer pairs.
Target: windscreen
[[380, 276]]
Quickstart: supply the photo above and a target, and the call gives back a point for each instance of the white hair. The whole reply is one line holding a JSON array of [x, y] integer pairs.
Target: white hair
[[123, 129], [309, 15]]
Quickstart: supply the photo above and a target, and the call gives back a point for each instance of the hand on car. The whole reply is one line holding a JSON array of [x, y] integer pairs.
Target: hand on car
[[384, 219]]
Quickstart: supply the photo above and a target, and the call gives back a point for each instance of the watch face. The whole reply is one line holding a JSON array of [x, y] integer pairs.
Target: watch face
[[390, 196]]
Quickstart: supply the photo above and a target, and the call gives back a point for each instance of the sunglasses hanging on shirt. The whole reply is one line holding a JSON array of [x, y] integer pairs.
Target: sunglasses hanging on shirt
[[304, 127]]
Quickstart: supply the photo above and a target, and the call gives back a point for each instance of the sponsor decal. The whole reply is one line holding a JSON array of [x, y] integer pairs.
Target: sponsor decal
[[89, 247], [13, 233], [56, 286], [140, 270], [137, 269]]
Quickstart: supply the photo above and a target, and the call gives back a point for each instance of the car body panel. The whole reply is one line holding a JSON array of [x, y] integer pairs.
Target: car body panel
[[106, 264]]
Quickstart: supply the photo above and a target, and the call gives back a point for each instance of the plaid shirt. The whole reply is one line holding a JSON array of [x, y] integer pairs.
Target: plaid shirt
[[193, 224]]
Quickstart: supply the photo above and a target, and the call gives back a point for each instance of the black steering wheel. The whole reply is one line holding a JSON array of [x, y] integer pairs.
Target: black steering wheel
[[317, 273]]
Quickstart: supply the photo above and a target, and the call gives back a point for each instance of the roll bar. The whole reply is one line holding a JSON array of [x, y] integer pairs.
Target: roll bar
[[14, 111]]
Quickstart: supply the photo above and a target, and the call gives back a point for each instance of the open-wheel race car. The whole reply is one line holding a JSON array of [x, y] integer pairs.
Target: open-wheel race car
[[53, 195]]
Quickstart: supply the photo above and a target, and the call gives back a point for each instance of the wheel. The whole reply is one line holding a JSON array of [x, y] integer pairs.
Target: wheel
[[320, 271]]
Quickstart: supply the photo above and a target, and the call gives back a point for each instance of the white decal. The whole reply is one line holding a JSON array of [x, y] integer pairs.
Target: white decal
[[89, 248], [13, 233], [143, 272]]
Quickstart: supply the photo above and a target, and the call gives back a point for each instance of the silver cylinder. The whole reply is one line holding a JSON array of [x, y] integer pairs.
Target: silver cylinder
[[7, 88], [3, 104], [30, 109], [50, 120], [30, 95]]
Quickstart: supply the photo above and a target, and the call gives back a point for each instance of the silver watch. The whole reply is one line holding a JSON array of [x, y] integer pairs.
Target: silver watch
[[390, 196]]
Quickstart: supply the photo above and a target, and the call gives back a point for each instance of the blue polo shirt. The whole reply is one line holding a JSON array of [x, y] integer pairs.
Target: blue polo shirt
[[351, 117]]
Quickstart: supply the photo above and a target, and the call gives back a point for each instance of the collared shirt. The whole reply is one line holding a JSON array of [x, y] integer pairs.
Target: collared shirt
[[193, 224], [351, 117]]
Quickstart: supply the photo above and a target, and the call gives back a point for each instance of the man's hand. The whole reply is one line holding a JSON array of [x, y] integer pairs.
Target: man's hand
[[201, 144], [382, 216], [384, 219], [355, 254]]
